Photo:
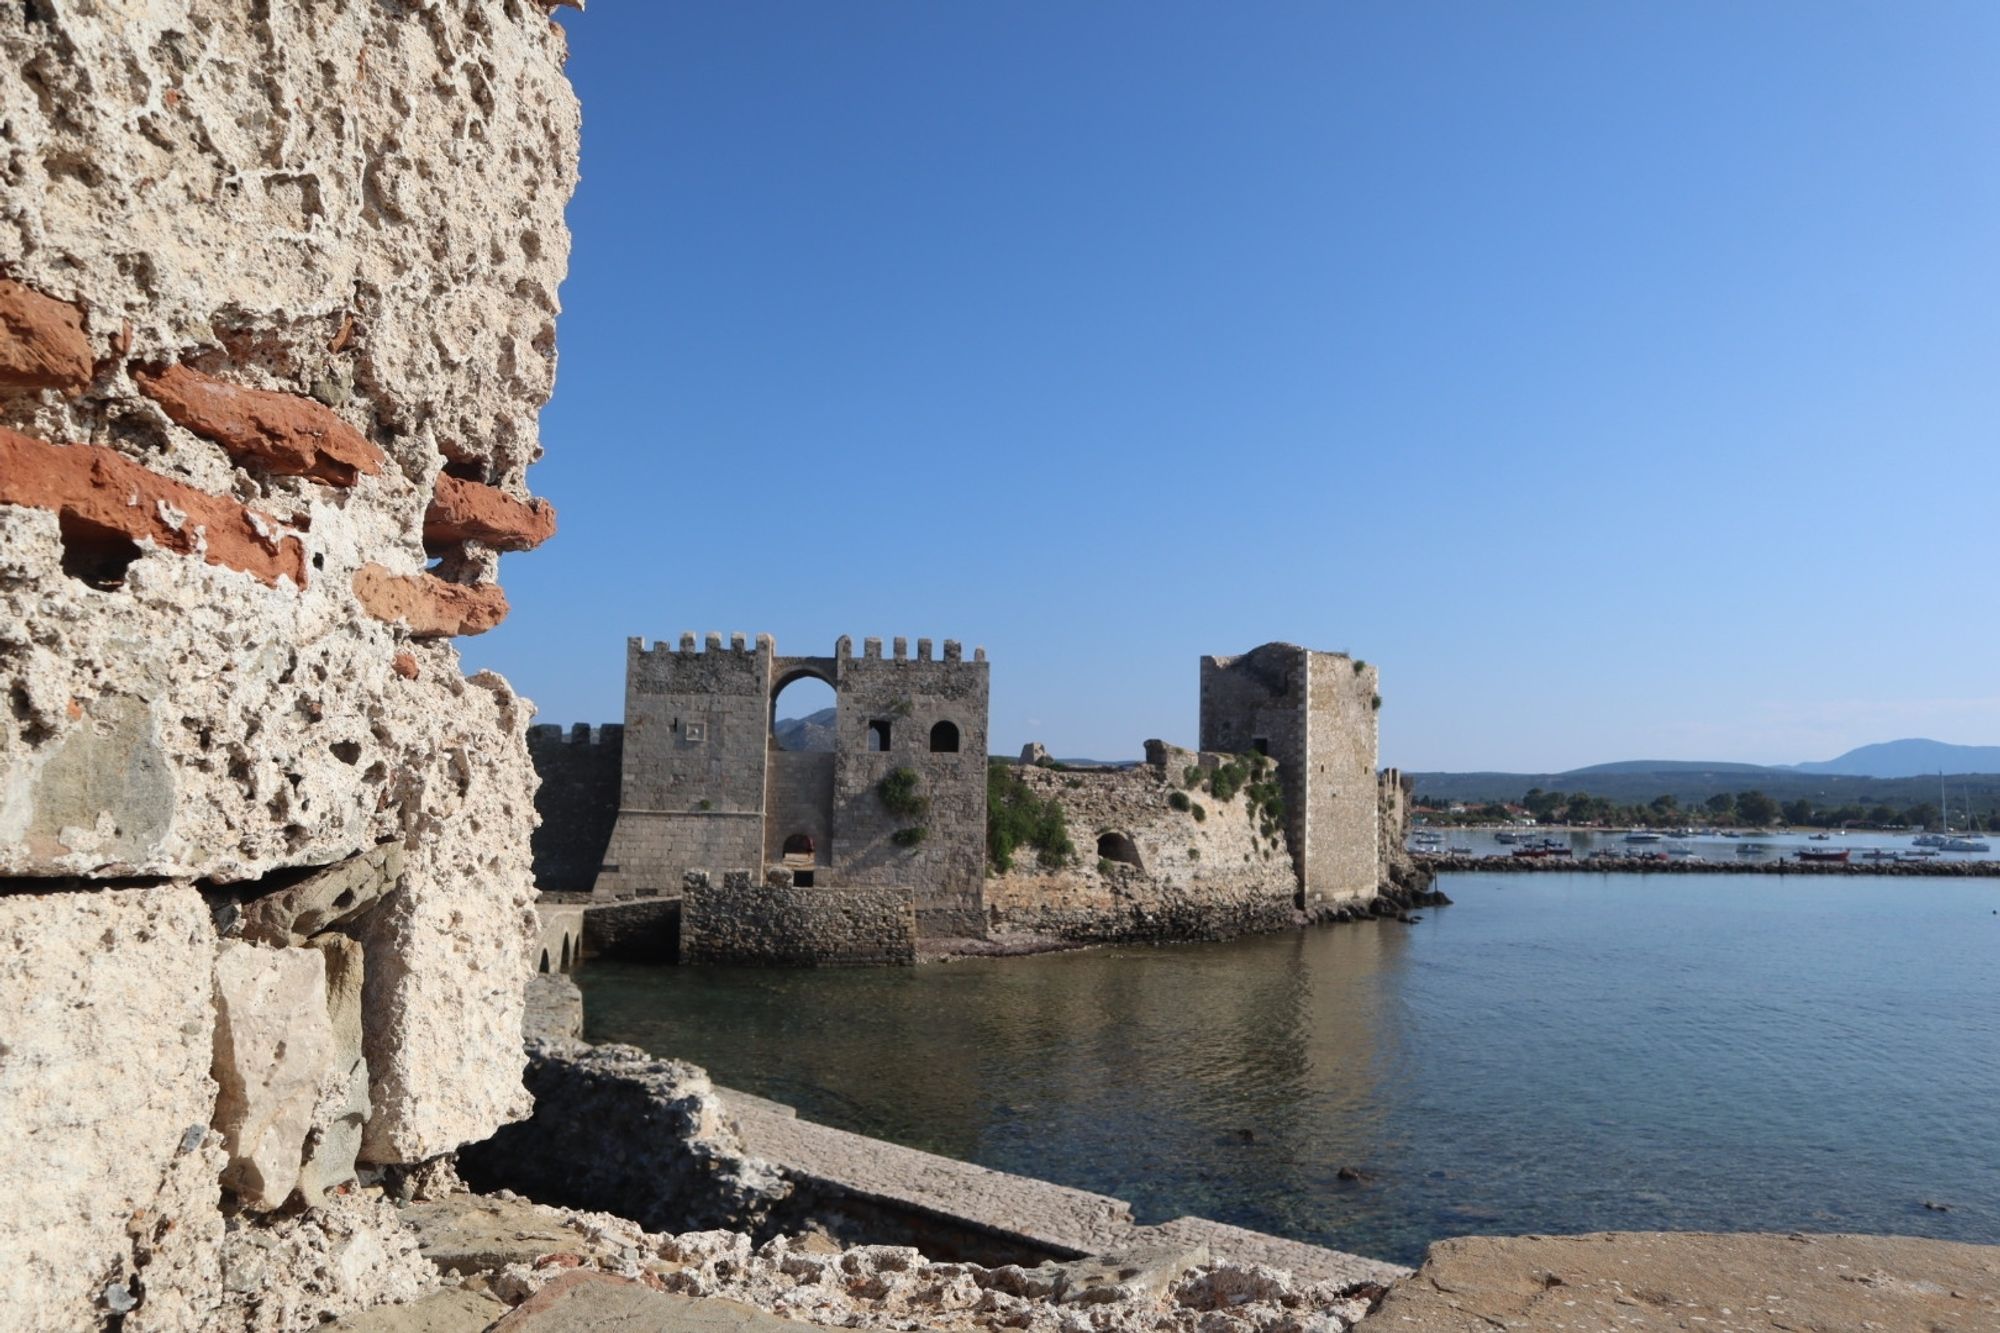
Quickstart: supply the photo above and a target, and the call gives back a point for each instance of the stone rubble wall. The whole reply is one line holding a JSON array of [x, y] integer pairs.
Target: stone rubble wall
[[733, 919], [277, 313], [1197, 878]]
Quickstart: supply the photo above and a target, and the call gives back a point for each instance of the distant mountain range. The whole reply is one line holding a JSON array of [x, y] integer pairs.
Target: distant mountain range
[[1902, 771], [814, 731], [1910, 759]]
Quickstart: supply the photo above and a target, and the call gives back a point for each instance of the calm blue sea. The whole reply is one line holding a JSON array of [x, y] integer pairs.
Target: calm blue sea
[[1554, 1053]]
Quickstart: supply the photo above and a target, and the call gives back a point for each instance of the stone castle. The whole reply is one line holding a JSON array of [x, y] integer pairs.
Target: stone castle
[[813, 856]]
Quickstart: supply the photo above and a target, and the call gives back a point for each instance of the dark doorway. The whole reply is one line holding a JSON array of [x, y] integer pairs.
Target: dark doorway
[[944, 738]]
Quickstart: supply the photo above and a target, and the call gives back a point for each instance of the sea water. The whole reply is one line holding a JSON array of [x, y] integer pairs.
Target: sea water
[[1554, 1053]]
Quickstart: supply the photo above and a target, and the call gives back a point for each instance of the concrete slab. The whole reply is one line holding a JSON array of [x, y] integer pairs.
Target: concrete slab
[[1067, 1221], [1651, 1282], [1313, 1263]]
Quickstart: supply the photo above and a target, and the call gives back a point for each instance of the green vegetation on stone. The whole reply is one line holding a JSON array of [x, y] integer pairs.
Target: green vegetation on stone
[[910, 837], [899, 795], [1016, 818]]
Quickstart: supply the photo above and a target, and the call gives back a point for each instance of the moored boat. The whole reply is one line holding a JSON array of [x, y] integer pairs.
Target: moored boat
[[1824, 854]]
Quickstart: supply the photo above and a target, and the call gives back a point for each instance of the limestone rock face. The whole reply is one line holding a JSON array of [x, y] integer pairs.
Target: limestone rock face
[[272, 278], [273, 1046], [105, 1095], [343, 1105]]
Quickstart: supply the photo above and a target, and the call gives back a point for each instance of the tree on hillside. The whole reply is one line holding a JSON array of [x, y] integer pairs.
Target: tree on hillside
[[1882, 816], [1922, 815], [1755, 807], [1797, 812], [1542, 804], [1665, 806], [1721, 803]]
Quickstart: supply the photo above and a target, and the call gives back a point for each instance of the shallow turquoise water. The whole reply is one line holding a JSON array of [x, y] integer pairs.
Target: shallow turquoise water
[[1555, 1053]]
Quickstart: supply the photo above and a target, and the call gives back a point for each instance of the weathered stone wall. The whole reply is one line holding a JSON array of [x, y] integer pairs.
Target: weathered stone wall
[[1342, 851], [1314, 713], [704, 785], [576, 801], [800, 802], [1196, 877], [947, 869], [277, 302], [696, 726], [731, 919], [1255, 703]]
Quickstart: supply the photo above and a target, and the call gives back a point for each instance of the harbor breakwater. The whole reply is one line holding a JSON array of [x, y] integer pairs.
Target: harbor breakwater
[[1641, 865]]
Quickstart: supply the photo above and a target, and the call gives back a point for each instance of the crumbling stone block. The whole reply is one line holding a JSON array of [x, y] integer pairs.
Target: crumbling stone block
[[105, 1094], [274, 1045], [342, 1110], [325, 900]]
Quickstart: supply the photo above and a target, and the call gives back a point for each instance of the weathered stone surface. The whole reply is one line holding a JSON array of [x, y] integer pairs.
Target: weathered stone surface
[[614, 1128], [105, 1095], [274, 1046], [428, 606], [281, 433], [453, 1310], [342, 1108], [1177, 874], [469, 1233], [275, 198], [555, 1009], [1642, 1282], [463, 510], [289, 1273], [102, 497], [584, 1301], [325, 899], [42, 342], [809, 1278], [1129, 1273]]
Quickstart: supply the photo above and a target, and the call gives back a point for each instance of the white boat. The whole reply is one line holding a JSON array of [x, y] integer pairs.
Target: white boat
[[1965, 845], [1643, 835], [1928, 840], [1506, 835]]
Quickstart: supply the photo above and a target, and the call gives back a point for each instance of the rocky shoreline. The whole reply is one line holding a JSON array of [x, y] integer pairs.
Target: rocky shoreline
[[1635, 865], [801, 1224]]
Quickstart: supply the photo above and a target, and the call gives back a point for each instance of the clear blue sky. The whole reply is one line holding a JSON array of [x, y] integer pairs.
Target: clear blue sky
[[1622, 378]]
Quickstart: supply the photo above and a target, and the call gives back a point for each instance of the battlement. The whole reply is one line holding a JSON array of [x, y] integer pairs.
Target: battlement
[[582, 733], [899, 650], [711, 642]]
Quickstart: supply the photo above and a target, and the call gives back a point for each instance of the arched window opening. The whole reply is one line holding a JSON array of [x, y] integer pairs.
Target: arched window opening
[[1120, 849], [799, 844], [545, 961], [878, 736], [944, 738], [565, 951], [802, 715]]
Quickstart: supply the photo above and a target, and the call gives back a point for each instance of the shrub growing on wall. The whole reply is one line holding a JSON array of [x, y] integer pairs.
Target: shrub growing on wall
[[1017, 818], [899, 795]]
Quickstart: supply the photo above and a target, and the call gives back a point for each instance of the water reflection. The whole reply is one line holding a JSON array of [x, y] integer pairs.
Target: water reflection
[[1555, 1053]]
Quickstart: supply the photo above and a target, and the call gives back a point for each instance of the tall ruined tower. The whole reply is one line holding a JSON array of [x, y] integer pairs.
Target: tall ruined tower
[[704, 785], [1315, 713]]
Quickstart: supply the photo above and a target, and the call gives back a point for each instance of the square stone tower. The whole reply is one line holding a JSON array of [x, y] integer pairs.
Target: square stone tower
[[1315, 713], [705, 786]]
